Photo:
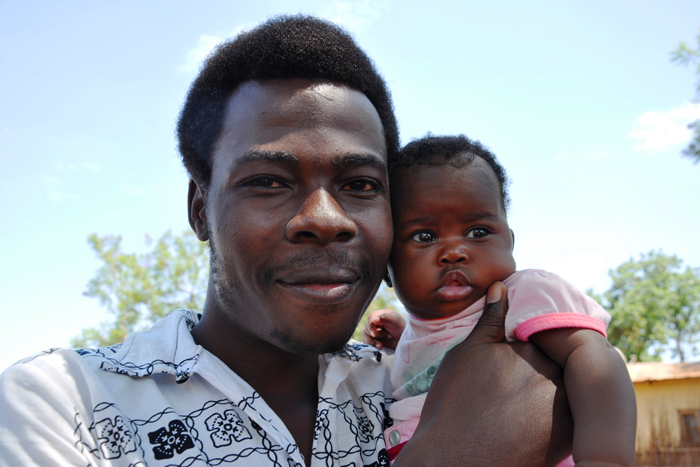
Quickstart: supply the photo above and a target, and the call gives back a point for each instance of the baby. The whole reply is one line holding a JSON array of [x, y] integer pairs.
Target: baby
[[451, 242]]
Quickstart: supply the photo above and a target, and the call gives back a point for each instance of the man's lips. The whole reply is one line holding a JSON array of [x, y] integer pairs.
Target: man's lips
[[454, 286], [324, 285]]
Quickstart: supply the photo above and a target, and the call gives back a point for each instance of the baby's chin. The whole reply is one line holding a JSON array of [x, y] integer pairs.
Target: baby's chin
[[447, 309]]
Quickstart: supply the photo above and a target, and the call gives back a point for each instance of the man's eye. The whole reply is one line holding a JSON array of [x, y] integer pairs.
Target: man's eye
[[360, 186], [477, 232], [265, 182], [424, 237]]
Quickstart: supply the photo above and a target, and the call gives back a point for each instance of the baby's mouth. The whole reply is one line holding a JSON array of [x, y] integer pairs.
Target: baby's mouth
[[454, 286]]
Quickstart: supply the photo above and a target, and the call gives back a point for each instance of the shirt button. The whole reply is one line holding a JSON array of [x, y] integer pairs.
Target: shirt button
[[394, 438]]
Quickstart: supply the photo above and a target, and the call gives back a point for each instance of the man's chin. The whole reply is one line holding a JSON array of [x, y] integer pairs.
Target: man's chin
[[309, 346]]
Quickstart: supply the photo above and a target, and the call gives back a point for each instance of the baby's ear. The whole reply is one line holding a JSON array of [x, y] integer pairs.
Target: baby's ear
[[387, 278]]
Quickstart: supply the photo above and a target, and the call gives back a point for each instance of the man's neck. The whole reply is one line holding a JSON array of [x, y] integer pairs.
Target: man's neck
[[287, 382]]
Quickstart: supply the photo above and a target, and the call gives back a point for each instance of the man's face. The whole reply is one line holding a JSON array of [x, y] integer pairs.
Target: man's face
[[298, 213]]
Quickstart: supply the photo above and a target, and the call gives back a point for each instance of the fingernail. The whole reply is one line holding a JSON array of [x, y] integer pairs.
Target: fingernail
[[494, 294]]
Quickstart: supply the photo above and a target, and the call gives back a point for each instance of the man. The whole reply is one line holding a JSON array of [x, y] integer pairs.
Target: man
[[288, 134]]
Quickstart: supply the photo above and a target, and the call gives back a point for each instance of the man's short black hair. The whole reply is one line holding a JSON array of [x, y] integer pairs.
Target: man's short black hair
[[284, 47], [456, 150]]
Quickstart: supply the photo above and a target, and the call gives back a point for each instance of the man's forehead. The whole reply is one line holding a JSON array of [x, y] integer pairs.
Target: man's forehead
[[267, 120], [274, 101], [274, 109]]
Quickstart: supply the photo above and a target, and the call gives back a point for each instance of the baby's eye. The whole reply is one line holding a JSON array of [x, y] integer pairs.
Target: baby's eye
[[424, 237], [477, 232]]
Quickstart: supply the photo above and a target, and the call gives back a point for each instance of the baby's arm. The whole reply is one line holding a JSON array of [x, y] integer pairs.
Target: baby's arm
[[383, 329], [600, 392]]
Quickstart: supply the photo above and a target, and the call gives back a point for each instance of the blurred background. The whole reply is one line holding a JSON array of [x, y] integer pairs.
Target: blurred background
[[581, 102]]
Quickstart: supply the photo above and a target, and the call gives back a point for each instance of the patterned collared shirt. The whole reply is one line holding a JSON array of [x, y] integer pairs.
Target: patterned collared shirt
[[159, 399]]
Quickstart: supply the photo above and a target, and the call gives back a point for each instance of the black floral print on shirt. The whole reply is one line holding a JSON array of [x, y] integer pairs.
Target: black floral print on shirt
[[169, 441]]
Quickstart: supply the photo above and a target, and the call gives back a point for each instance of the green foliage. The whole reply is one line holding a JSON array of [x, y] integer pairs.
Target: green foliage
[[138, 289], [385, 299], [653, 301], [685, 55]]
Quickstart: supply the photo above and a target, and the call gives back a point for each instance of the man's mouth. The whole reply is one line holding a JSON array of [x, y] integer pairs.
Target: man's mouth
[[454, 286], [327, 285]]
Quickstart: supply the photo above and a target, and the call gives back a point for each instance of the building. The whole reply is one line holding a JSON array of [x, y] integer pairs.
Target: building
[[668, 413]]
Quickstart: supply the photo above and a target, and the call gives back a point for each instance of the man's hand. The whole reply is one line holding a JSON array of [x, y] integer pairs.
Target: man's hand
[[493, 403], [384, 329]]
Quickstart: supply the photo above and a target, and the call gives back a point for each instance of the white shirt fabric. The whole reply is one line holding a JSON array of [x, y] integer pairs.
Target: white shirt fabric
[[159, 399]]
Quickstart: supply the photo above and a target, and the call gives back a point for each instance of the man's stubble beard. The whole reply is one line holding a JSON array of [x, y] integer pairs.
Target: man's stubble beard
[[224, 289]]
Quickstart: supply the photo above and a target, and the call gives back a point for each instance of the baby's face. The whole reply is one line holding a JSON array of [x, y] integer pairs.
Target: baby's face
[[451, 237]]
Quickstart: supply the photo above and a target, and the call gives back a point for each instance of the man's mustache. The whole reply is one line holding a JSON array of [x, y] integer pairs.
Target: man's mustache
[[324, 259]]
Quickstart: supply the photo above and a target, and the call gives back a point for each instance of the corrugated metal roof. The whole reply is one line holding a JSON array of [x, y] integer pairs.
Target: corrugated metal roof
[[657, 371]]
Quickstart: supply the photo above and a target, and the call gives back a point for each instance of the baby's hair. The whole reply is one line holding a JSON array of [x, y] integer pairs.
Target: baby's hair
[[458, 151]]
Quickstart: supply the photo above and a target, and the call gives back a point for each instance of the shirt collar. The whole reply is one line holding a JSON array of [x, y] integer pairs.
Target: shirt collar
[[167, 347]]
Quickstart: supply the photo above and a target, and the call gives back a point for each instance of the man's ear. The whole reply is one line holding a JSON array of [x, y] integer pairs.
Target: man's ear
[[196, 211], [387, 278], [512, 235]]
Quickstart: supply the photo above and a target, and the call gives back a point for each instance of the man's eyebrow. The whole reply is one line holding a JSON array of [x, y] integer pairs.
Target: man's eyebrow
[[256, 155], [361, 160]]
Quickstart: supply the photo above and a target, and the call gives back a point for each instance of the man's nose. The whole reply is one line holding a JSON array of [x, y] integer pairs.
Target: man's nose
[[320, 220], [453, 251]]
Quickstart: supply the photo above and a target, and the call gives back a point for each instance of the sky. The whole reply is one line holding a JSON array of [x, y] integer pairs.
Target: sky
[[579, 101]]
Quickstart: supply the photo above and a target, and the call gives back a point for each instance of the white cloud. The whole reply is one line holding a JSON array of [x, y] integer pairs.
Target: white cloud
[[195, 56], [54, 189], [357, 15], [587, 157], [63, 167], [134, 191], [595, 155], [659, 131]]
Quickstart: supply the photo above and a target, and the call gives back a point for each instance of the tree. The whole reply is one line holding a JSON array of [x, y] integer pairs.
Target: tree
[[685, 55], [138, 289], [653, 301]]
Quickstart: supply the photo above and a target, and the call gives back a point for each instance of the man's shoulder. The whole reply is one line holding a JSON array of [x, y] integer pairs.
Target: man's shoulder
[[166, 347], [57, 362]]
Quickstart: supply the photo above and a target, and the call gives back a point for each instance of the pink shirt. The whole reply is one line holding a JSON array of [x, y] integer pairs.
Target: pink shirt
[[538, 300]]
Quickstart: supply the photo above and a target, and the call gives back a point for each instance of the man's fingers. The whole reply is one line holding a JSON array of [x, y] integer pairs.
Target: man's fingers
[[491, 325]]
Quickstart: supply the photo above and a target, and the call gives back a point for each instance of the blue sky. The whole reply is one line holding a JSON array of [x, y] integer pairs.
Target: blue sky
[[578, 99]]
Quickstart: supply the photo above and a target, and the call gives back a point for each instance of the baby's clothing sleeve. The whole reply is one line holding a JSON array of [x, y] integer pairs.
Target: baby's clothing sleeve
[[539, 300]]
